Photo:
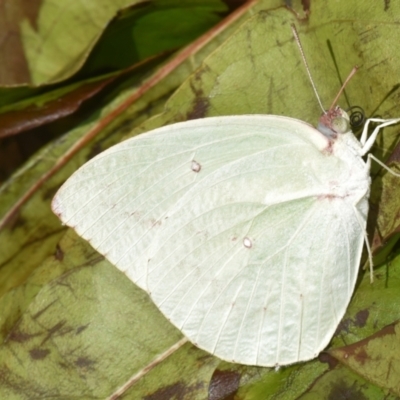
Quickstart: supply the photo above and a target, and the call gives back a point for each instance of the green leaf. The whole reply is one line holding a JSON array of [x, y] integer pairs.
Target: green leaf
[[376, 358], [376, 344], [57, 33]]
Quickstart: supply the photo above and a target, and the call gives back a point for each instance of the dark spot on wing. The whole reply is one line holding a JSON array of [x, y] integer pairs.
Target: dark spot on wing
[[154, 222], [196, 167]]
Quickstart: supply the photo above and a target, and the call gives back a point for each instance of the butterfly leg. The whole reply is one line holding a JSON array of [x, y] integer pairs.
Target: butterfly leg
[[368, 142], [372, 157]]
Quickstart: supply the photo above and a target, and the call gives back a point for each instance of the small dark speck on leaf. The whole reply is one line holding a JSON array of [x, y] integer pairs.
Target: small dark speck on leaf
[[81, 328], [64, 365], [59, 254], [361, 318], [84, 362], [39, 354]]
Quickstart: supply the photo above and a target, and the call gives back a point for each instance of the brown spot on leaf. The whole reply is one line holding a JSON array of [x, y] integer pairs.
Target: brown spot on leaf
[[201, 103], [20, 337], [361, 318], [306, 5], [39, 354], [342, 390], [199, 108], [85, 363], [326, 358], [177, 391], [359, 321], [81, 328], [224, 385], [59, 254], [361, 356]]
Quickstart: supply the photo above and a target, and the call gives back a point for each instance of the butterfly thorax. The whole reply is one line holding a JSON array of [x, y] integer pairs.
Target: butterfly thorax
[[354, 184]]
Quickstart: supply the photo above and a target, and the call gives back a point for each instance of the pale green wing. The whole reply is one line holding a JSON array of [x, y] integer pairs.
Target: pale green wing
[[115, 201], [257, 284], [228, 223]]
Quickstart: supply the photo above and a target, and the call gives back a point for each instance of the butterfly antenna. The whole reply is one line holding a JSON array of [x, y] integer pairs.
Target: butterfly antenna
[[352, 73], [296, 36]]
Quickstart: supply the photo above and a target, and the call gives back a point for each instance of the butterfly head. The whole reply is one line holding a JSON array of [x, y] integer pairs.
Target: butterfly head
[[334, 122]]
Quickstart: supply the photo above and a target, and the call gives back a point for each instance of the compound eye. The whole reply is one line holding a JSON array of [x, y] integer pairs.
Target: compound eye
[[341, 124]]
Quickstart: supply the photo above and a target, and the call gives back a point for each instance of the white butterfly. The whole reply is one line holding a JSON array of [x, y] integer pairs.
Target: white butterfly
[[246, 231]]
